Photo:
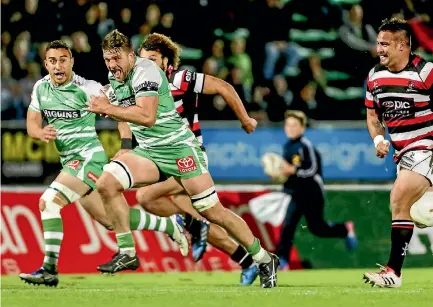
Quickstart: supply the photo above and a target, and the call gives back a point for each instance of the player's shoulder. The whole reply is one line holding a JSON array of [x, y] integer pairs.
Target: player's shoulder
[[306, 142], [90, 87], [142, 64], [377, 68], [109, 92], [422, 65], [83, 82], [42, 81]]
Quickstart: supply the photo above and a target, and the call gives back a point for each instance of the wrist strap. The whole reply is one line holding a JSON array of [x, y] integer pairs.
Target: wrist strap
[[126, 143], [378, 139]]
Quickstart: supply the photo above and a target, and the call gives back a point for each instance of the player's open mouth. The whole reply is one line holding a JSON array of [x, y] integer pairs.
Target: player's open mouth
[[383, 57], [59, 74]]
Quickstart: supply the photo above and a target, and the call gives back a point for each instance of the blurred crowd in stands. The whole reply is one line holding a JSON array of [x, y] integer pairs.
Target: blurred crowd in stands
[[311, 55]]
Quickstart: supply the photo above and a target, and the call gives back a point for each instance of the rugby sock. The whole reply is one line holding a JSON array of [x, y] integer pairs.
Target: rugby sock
[[142, 220], [401, 233], [126, 243], [258, 253], [53, 235], [188, 220], [242, 257], [192, 224]]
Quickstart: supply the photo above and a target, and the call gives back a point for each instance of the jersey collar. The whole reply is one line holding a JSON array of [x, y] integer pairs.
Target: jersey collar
[[63, 85]]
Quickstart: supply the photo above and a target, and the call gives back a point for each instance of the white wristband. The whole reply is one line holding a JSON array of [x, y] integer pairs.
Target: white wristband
[[378, 139]]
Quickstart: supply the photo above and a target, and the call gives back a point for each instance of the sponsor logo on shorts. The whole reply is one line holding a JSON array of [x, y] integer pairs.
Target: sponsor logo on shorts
[[186, 164], [92, 176], [74, 164]]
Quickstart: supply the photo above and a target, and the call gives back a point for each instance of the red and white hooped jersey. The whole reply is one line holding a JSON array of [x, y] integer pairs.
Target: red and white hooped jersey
[[185, 86], [403, 101]]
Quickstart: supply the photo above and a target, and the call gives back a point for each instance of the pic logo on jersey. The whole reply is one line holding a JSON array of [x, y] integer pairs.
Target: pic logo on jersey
[[74, 164], [186, 164]]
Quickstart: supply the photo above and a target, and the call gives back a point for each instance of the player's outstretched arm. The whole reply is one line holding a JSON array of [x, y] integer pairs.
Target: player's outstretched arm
[[214, 86], [35, 130]]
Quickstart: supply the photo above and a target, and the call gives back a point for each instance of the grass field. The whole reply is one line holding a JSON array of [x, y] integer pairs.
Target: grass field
[[295, 288]]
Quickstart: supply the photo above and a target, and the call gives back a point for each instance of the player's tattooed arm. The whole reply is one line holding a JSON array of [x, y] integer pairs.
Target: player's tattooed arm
[[374, 124]]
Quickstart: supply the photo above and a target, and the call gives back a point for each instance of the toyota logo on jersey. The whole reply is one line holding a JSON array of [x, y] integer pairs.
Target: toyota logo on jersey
[[186, 164]]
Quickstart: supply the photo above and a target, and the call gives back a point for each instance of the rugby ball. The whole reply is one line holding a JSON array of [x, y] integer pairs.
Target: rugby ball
[[272, 163], [422, 211]]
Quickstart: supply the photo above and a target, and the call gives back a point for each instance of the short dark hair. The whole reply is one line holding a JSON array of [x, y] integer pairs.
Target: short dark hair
[[397, 25], [299, 115], [164, 45], [116, 40], [58, 44]]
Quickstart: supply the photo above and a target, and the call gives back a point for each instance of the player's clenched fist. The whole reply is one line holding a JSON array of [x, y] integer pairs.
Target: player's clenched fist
[[48, 134], [249, 125], [382, 149]]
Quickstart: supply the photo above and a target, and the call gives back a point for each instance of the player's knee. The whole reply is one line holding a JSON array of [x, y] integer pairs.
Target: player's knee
[[55, 198], [216, 214], [144, 197], [399, 196], [42, 204], [121, 178], [108, 186], [205, 200]]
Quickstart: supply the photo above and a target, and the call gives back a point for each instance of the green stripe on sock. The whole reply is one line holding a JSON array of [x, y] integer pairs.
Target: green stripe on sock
[[51, 254], [170, 227], [254, 248], [49, 267], [134, 218], [52, 225], [125, 240], [158, 222], [53, 242], [147, 223]]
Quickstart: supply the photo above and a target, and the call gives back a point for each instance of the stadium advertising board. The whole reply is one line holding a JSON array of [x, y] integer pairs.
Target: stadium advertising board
[[347, 154], [86, 244]]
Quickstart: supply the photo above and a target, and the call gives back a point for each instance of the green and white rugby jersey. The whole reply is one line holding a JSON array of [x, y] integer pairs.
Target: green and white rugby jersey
[[62, 106], [147, 79]]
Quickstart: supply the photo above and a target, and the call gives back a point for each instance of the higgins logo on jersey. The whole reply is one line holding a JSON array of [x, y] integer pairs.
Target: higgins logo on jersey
[[64, 114]]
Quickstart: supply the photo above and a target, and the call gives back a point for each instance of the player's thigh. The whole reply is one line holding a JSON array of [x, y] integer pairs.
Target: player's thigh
[[408, 188], [84, 171], [182, 161], [134, 168], [414, 176], [183, 202], [162, 188]]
